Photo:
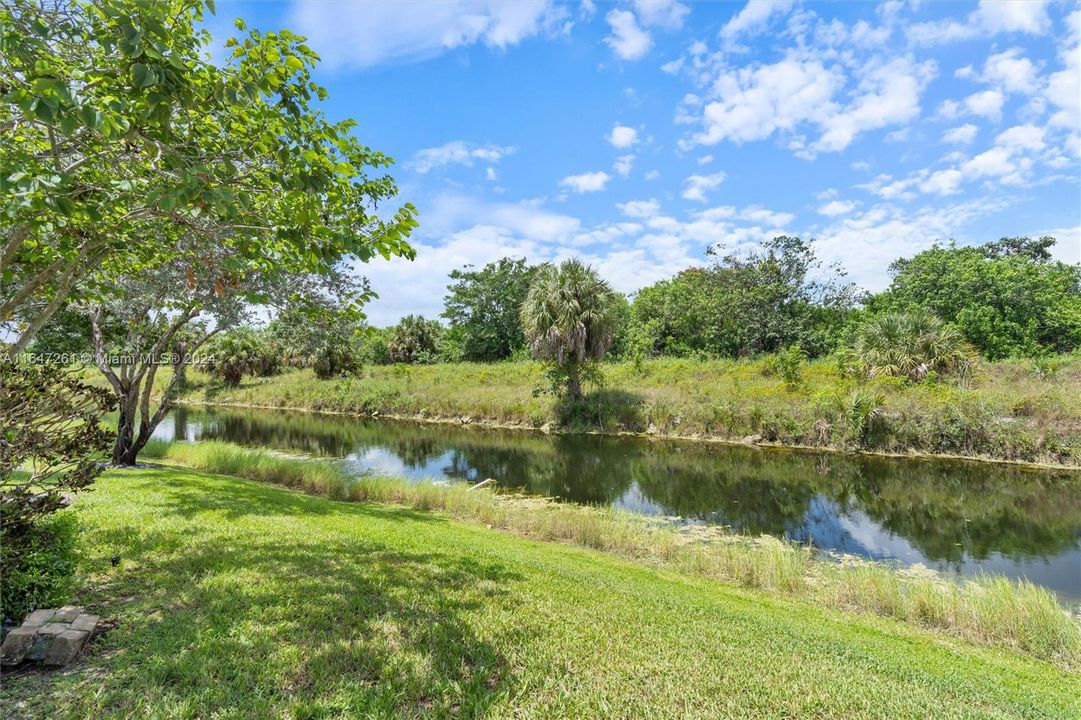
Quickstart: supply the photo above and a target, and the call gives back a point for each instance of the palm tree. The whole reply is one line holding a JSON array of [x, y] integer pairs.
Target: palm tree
[[911, 344], [568, 317]]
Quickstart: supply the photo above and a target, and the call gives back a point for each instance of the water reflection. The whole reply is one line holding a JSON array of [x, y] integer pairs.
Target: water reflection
[[955, 516]]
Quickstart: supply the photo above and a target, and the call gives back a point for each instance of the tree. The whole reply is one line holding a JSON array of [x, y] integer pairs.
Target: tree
[[1008, 297], [414, 340], [746, 303], [51, 429], [569, 316], [243, 351], [122, 142], [483, 307], [328, 340], [911, 345], [168, 314]]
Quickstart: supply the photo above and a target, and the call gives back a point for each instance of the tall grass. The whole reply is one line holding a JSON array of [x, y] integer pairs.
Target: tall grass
[[1002, 410], [990, 610]]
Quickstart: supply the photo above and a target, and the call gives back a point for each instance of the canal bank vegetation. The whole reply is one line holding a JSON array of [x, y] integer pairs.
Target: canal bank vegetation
[[970, 351], [991, 611], [1004, 410], [240, 599]]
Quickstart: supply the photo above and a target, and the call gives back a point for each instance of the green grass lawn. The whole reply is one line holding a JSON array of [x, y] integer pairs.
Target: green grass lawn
[[1005, 412], [237, 599]]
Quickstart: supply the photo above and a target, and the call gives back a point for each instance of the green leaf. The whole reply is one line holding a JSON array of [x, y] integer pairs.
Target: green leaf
[[142, 75]]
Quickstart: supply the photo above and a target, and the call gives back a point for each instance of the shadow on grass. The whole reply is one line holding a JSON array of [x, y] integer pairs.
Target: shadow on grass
[[277, 608], [603, 409]]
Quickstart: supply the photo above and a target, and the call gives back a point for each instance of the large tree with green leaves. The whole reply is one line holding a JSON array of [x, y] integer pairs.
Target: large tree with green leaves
[[122, 141], [746, 303], [170, 311], [1008, 297], [483, 307], [569, 317]]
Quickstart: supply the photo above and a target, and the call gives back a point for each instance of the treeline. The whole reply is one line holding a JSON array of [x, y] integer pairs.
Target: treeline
[[1006, 298]]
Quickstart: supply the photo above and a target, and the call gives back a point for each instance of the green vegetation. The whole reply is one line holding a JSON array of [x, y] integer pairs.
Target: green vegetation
[[414, 340], [1003, 410], [1008, 297], [744, 304], [989, 611], [251, 601], [911, 344], [482, 307], [39, 565], [568, 317], [241, 352], [129, 151]]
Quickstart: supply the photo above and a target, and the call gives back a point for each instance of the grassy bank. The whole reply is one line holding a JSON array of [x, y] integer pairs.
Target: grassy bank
[[1005, 412], [237, 599], [992, 611]]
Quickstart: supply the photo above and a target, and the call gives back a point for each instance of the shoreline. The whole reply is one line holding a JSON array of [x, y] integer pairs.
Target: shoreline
[[520, 427]]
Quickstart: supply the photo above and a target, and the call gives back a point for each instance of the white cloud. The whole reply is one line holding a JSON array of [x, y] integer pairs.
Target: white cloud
[[990, 18], [889, 94], [456, 152], [1022, 137], [622, 136], [995, 161], [754, 17], [705, 160], [1027, 16], [639, 208], [1064, 86], [837, 207], [1068, 247], [697, 185], [1012, 72], [628, 40], [667, 14], [364, 34], [986, 104], [962, 135], [623, 165], [755, 101], [943, 182], [867, 242], [586, 182], [672, 66], [491, 174]]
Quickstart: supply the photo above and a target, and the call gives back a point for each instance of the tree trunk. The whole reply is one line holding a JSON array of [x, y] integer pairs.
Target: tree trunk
[[574, 382], [124, 450]]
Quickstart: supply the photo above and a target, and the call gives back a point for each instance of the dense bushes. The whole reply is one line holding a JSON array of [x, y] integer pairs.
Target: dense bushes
[[1008, 297], [910, 344], [240, 352], [414, 340], [38, 566], [745, 304]]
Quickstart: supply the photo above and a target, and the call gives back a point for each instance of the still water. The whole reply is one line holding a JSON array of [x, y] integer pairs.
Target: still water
[[959, 517]]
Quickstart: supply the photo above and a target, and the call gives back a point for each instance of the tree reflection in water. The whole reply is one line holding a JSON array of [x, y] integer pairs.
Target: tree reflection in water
[[950, 513]]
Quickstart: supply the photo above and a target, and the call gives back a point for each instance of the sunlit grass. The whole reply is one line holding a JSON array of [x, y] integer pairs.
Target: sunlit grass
[[245, 600], [991, 611]]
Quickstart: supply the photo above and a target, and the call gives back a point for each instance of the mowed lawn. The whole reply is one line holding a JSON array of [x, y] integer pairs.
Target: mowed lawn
[[241, 600]]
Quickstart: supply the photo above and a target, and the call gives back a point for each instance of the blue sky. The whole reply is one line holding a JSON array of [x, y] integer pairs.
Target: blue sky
[[637, 134]]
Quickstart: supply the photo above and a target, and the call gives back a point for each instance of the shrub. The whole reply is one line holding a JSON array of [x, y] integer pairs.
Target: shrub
[[51, 428], [39, 566], [241, 352], [911, 344], [787, 363], [863, 417], [414, 340]]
